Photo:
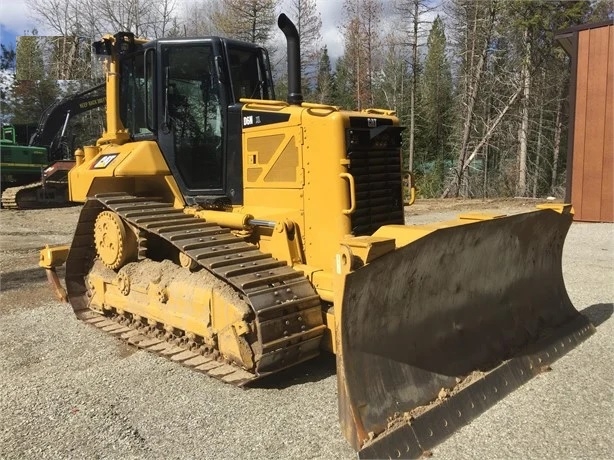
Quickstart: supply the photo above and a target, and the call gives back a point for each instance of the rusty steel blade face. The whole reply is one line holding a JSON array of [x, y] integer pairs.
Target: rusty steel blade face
[[425, 431], [458, 300]]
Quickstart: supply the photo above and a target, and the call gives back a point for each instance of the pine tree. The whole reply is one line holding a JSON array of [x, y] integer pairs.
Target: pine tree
[[392, 78], [29, 58], [33, 92], [345, 86], [325, 83], [433, 153], [474, 24], [7, 58], [536, 22], [410, 14]]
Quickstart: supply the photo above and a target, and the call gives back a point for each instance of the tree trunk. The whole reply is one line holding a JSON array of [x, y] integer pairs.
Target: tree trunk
[[524, 127], [538, 147], [414, 86], [485, 158], [558, 128]]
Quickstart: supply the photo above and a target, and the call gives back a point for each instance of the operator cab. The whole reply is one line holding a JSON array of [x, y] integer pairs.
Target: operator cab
[[184, 93]]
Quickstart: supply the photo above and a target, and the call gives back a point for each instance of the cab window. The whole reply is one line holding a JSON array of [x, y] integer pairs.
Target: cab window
[[249, 75], [192, 98], [135, 91]]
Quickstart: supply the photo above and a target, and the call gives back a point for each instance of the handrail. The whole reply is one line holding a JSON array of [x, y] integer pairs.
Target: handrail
[[350, 180]]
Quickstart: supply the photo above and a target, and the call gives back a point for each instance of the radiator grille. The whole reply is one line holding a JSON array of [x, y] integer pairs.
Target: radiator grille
[[379, 199]]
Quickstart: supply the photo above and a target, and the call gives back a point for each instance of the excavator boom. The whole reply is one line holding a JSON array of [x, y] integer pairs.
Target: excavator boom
[[51, 130]]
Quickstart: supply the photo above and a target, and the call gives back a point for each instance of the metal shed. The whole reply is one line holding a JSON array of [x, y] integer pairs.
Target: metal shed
[[590, 154]]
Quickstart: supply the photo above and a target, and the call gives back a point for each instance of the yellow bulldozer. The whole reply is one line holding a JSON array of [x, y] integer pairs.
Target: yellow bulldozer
[[240, 235]]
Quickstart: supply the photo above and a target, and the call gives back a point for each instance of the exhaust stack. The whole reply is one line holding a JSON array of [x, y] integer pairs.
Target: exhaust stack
[[294, 59]]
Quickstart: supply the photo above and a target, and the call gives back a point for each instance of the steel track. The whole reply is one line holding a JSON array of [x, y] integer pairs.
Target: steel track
[[287, 310]]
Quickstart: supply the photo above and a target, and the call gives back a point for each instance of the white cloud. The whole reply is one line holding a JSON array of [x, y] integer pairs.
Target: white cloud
[[332, 16], [14, 16]]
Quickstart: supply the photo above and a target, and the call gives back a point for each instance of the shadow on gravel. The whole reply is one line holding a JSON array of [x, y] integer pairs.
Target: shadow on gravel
[[324, 366], [599, 313], [313, 370], [20, 278]]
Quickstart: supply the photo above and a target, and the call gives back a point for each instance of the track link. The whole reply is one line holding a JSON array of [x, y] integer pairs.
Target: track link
[[140, 337], [286, 307]]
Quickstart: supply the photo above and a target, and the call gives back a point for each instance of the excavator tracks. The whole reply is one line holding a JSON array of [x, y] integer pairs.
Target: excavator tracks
[[32, 196], [286, 308], [9, 196]]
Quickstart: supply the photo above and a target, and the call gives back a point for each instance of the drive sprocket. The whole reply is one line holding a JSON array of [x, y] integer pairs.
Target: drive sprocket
[[116, 245]]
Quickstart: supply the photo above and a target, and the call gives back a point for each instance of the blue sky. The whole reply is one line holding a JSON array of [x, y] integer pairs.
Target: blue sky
[[7, 36]]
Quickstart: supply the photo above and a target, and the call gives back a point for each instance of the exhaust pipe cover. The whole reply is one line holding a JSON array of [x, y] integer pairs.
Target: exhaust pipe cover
[[295, 96]]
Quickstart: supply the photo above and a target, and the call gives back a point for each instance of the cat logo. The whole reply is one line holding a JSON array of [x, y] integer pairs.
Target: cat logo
[[372, 122], [104, 161]]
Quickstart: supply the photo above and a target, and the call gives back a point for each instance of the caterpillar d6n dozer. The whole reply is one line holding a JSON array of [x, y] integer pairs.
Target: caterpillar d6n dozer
[[239, 235]]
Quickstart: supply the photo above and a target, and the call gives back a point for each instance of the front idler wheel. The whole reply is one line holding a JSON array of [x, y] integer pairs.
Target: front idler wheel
[[116, 245]]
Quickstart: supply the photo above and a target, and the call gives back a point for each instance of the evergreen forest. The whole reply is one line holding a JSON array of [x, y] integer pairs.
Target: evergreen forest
[[481, 86]]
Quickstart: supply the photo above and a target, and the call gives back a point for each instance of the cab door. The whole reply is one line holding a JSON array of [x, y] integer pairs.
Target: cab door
[[192, 105]]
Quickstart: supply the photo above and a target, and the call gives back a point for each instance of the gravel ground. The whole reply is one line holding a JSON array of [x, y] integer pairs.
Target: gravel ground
[[70, 391]]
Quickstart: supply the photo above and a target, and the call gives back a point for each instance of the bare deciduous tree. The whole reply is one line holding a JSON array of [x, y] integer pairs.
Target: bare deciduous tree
[[92, 18], [196, 18], [361, 32], [474, 33], [308, 23], [247, 20]]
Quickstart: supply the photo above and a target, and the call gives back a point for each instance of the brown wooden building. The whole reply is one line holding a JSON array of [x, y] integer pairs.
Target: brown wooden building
[[590, 156]]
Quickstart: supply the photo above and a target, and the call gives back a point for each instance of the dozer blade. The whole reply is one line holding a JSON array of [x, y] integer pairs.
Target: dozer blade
[[434, 333]]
